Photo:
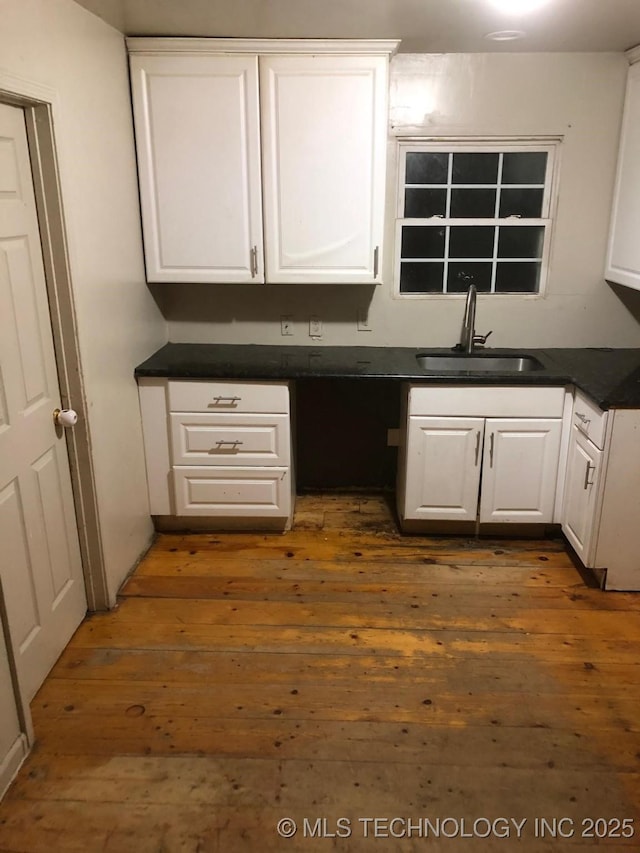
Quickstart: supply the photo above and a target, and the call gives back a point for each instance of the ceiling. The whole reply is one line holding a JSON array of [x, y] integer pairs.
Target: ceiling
[[424, 26]]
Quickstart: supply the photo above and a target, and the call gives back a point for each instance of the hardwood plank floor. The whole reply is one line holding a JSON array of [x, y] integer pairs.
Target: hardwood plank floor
[[340, 671]]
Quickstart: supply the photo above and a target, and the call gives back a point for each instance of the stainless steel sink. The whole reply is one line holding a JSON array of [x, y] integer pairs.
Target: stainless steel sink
[[464, 363]]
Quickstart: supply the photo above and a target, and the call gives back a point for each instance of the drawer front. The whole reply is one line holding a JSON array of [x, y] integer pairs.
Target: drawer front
[[230, 439], [509, 401], [233, 492], [198, 396], [589, 419]]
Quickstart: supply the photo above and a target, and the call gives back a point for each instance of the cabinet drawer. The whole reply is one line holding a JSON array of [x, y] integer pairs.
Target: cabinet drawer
[[198, 396], [478, 401], [589, 419], [230, 439], [233, 492]]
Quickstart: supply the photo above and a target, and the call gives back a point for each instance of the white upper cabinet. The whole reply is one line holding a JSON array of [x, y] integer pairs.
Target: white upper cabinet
[[261, 160], [623, 257], [198, 142], [324, 151]]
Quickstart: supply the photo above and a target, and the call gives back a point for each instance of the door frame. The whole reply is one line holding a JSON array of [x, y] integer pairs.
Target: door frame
[[39, 103]]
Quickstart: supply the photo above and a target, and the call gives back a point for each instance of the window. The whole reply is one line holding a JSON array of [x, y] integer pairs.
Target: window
[[473, 214]]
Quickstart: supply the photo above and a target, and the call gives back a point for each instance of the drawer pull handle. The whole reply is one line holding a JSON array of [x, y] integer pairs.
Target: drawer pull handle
[[587, 481], [491, 447], [233, 445], [585, 420], [225, 401], [477, 446], [254, 262]]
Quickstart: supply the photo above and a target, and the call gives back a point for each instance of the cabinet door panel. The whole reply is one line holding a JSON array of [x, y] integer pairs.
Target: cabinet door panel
[[230, 439], [324, 140], [198, 143], [233, 492], [583, 477], [520, 470], [443, 472]]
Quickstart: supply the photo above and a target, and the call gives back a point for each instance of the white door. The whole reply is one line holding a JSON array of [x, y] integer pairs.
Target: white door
[[520, 469], [198, 142], [324, 151], [581, 487], [443, 468], [40, 563], [13, 743]]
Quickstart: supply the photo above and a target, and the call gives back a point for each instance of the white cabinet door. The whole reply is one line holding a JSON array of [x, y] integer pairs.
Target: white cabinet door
[[198, 143], [581, 490], [520, 469], [324, 144], [623, 258], [443, 468]]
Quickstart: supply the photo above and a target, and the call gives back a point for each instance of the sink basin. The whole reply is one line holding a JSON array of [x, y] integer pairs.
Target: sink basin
[[479, 363]]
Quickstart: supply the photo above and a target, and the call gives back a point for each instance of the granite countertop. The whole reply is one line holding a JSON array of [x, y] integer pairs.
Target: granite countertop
[[610, 377]]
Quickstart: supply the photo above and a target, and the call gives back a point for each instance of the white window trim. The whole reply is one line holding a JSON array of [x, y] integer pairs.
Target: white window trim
[[550, 144]]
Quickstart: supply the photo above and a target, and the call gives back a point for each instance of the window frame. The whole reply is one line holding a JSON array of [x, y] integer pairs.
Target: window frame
[[550, 145]]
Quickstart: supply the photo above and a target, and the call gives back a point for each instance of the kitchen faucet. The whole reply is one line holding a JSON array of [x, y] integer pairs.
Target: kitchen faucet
[[468, 338]]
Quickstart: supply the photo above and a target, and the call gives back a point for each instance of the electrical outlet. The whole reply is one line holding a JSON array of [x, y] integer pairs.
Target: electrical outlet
[[363, 321], [286, 325], [315, 327]]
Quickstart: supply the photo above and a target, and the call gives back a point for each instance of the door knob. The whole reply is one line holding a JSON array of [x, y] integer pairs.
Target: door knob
[[65, 417]]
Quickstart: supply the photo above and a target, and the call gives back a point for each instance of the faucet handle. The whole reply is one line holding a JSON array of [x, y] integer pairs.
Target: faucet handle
[[481, 339]]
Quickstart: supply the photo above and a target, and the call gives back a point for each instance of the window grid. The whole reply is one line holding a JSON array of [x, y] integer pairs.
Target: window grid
[[447, 222]]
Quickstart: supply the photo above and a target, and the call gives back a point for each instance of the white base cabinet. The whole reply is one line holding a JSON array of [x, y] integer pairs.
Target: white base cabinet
[[218, 450], [584, 466], [481, 468], [520, 470], [601, 511], [443, 470]]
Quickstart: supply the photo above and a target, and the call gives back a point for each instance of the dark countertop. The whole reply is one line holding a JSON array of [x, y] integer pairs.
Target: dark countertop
[[611, 377]]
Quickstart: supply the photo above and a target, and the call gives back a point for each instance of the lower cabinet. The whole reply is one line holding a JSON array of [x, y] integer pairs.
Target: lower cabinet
[[601, 507], [218, 451], [584, 466], [481, 468]]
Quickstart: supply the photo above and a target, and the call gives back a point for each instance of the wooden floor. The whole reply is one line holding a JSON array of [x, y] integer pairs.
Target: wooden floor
[[340, 671]]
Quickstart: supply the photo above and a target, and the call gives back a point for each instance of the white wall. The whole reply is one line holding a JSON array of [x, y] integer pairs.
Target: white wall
[[576, 96], [57, 44]]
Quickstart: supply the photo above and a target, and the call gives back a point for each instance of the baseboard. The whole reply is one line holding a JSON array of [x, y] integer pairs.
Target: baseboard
[[472, 528], [196, 524]]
